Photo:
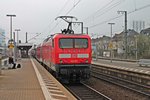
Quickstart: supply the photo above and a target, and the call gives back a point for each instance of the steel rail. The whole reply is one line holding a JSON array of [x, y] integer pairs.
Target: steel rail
[[84, 92], [123, 83], [117, 59], [55, 88]]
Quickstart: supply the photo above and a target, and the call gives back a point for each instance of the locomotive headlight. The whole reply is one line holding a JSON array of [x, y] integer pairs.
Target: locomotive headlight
[[61, 61], [86, 61]]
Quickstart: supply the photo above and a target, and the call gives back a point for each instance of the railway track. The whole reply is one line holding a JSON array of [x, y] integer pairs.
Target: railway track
[[83, 92], [54, 90], [142, 89], [116, 59]]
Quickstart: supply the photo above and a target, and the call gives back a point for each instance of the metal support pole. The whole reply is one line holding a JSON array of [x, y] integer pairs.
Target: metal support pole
[[96, 52], [86, 30], [81, 23], [17, 30], [14, 48], [136, 47], [26, 37], [82, 27], [126, 49], [10, 28], [17, 38], [111, 40], [16, 44], [0, 64], [11, 24], [125, 30], [11, 40]]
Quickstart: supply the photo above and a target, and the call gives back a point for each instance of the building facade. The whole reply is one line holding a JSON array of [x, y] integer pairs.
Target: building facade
[[2, 37], [2, 41], [105, 44]]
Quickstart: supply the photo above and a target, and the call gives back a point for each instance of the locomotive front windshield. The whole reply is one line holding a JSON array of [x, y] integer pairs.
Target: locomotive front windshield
[[73, 43]]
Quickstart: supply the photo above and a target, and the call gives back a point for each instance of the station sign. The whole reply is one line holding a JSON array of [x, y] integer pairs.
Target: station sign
[[110, 45], [11, 46]]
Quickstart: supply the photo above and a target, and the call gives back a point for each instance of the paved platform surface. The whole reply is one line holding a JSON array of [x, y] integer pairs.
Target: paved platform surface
[[20, 84], [131, 66]]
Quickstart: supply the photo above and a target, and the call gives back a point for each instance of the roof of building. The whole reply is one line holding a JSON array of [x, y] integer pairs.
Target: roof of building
[[25, 44], [145, 31]]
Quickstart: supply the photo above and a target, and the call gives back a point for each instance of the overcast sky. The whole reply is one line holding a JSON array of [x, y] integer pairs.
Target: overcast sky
[[38, 16]]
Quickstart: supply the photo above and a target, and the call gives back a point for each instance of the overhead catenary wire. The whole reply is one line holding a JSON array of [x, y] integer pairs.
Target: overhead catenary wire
[[34, 37], [3, 36], [73, 7], [134, 1], [99, 10], [57, 15], [103, 22], [109, 8], [76, 5], [63, 7], [105, 9], [65, 14]]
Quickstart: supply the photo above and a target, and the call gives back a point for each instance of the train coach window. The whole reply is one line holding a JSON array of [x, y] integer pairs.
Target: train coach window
[[66, 43]]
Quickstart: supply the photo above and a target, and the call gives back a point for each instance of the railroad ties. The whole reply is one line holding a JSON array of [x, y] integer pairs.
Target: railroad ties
[[52, 89], [84, 92], [130, 79], [81, 92], [23, 82]]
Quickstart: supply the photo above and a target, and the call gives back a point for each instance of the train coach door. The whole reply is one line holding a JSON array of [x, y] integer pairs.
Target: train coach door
[[52, 51]]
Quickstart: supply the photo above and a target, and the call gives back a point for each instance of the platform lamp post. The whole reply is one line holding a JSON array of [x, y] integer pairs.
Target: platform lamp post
[[10, 24], [11, 40], [125, 30], [17, 30], [15, 58], [16, 45], [111, 45]]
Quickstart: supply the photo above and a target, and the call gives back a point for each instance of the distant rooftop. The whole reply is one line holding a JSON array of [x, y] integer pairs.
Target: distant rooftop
[[25, 44]]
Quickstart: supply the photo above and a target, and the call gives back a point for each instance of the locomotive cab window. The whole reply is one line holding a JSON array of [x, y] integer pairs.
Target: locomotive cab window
[[66, 43], [80, 43], [73, 43]]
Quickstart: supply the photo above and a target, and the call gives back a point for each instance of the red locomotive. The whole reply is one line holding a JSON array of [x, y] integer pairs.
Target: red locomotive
[[68, 55]]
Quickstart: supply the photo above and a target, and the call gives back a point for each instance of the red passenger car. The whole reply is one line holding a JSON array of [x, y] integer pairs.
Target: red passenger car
[[38, 53], [68, 55]]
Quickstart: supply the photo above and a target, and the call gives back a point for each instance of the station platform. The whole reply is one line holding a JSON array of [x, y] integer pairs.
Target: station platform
[[130, 66], [20, 83], [24, 84]]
